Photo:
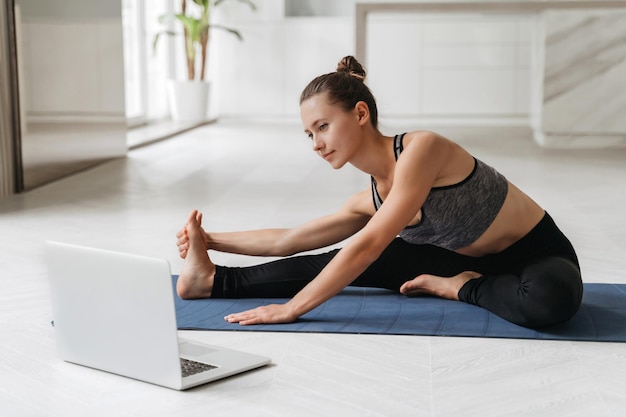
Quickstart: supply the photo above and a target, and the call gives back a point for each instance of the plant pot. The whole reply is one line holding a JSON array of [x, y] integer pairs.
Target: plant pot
[[188, 100]]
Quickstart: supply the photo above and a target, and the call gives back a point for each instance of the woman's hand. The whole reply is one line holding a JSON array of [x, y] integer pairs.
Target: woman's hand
[[182, 242], [273, 313]]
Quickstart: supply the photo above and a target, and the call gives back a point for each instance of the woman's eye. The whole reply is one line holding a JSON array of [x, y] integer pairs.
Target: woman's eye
[[323, 126]]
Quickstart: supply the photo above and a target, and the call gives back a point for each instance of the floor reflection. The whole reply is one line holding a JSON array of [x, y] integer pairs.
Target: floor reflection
[[55, 150]]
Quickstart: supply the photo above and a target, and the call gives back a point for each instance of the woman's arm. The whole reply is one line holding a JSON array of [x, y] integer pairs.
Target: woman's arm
[[415, 173], [319, 233]]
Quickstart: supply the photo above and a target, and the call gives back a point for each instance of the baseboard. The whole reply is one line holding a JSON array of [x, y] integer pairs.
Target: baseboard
[[579, 141], [76, 118]]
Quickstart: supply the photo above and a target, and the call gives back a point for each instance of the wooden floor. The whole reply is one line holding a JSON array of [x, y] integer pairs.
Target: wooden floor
[[264, 175]]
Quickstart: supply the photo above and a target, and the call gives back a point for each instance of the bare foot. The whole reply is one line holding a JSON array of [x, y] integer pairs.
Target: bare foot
[[196, 277], [182, 241], [442, 287]]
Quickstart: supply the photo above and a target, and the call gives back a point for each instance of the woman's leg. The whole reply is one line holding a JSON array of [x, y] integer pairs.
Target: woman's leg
[[534, 283], [283, 278], [201, 278], [544, 292], [402, 262]]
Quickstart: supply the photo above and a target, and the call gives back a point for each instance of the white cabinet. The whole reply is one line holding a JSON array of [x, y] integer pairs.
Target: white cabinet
[[450, 65]]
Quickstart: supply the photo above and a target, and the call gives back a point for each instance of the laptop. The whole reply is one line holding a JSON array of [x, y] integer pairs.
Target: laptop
[[115, 312]]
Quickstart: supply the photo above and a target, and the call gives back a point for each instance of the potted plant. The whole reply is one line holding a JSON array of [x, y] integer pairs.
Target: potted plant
[[189, 98]]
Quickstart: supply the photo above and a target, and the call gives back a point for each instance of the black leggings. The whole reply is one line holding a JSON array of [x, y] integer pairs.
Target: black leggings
[[534, 283]]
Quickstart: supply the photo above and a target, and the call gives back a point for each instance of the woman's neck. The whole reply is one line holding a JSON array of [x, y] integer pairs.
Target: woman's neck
[[376, 156]]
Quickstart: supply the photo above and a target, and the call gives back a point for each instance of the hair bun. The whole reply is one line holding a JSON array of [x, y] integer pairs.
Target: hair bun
[[352, 67]]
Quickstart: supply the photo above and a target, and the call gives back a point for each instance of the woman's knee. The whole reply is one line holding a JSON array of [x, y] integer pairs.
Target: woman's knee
[[553, 292]]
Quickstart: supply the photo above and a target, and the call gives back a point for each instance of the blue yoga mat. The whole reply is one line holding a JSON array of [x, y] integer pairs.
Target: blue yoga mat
[[602, 316]]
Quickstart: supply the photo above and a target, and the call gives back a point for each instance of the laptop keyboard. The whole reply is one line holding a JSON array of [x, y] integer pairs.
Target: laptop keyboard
[[189, 367]]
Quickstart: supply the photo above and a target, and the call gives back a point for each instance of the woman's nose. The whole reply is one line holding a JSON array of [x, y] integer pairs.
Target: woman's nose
[[317, 144]]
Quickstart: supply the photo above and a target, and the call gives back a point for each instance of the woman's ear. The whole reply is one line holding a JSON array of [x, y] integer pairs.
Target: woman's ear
[[362, 112]]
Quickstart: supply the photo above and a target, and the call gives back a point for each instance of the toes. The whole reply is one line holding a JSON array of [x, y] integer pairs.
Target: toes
[[192, 217], [411, 290], [408, 288], [193, 225]]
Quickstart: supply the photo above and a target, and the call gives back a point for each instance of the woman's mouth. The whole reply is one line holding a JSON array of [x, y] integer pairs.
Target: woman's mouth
[[327, 155]]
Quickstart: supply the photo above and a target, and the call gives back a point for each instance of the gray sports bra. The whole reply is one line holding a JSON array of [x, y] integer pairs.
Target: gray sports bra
[[455, 216]]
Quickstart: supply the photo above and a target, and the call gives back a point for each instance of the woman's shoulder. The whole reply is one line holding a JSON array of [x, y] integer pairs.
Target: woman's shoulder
[[430, 152], [424, 135], [425, 140]]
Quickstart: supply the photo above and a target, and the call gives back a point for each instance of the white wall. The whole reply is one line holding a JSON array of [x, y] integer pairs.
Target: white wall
[[445, 66], [73, 70], [450, 65], [264, 75], [73, 62]]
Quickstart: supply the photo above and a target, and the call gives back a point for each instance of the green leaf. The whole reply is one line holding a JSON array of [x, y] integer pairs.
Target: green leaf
[[202, 3], [156, 38], [227, 29]]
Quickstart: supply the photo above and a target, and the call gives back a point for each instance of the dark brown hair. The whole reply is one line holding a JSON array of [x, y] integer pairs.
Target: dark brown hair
[[345, 87]]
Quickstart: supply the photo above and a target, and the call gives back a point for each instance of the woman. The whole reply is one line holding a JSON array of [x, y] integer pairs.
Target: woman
[[450, 226]]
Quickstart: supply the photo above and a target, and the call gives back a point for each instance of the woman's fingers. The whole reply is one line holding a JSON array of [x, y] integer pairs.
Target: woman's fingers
[[182, 242], [182, 239], [245, 317], [274, 313]]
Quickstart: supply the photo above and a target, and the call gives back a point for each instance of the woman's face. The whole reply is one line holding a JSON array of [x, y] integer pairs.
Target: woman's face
[[333, 131]]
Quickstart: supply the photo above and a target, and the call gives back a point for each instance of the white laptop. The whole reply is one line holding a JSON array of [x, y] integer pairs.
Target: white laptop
[[115, 312]]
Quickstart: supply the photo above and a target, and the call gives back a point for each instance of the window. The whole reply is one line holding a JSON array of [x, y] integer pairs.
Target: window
[[146, 68]]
